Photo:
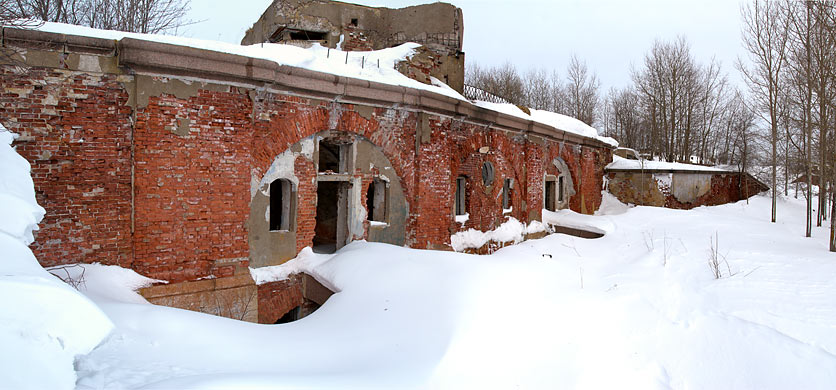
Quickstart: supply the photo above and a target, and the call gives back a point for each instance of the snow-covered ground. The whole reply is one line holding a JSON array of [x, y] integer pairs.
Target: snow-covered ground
[[639, 308]]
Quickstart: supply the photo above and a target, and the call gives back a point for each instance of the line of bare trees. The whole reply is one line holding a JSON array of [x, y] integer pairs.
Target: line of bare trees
[[677, 109], [576, 95], [142, 16], [791, 72]]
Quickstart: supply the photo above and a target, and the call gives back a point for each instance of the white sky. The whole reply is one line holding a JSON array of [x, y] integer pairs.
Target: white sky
[[610, 35]]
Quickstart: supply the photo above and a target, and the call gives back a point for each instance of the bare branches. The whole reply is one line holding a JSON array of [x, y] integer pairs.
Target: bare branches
[[581, 92], [765, 37], [142, 16], [541, 90]]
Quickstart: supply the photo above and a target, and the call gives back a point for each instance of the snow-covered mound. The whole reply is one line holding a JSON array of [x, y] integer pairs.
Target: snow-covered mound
[[570, 219], [105, 282], [650, 165], [44, 323], [511, 230], [378, 66]]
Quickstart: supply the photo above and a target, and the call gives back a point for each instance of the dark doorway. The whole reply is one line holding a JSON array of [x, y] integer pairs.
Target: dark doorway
[[550, 194], [331, 227]]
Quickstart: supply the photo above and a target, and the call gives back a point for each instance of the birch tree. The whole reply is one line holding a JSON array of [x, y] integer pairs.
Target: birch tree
[[765, 39]]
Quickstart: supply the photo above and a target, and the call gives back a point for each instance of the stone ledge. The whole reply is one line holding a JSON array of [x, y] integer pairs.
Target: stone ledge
[[183, 288]]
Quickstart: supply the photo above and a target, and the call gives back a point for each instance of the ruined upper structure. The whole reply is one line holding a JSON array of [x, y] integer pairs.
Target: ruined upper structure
[[439, 27]]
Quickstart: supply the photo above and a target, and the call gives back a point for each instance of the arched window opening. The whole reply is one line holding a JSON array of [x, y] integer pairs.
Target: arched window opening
[[550, 194], [461, 196], [280, 205], [377, 200], [506, 194]]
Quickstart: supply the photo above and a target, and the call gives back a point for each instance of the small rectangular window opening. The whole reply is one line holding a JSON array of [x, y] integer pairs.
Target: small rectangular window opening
[[506, 194], [377, 201], [303, 35], [560, 189], [330, 156], [461, 198], [280, 197], [550, 194], [354, 22]]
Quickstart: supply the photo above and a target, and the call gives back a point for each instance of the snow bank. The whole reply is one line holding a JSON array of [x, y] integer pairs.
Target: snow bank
[[570, 219], [623, 163], [44, 323], [378, 66], [105, 282], [511, 230], [306, 261]]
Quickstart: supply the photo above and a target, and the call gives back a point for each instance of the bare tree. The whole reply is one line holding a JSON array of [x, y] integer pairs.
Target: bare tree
[[581, 92], [503, 81], [141, 16], [538, 90], [765, 38]]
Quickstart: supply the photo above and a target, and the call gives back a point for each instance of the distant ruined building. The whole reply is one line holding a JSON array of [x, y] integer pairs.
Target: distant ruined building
[[438, 27]]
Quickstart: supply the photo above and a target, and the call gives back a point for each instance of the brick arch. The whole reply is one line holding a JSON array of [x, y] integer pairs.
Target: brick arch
[[280, 121], [297, 163], [485, 202]]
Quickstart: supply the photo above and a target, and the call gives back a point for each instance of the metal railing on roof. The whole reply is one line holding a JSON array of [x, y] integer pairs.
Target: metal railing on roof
[[473, 92]]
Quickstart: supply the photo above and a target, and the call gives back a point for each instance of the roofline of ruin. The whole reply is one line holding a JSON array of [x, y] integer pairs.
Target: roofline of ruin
[[149, 57]]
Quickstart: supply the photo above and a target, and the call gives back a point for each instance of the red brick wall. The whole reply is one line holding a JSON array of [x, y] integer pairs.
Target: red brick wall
[[191, 204], [75, 131], [192, 190], [275, 299]]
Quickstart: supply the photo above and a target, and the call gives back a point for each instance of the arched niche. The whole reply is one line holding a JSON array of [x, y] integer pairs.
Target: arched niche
[[327, 204]]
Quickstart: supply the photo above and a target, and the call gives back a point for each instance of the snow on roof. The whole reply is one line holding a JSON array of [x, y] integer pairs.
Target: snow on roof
[[559, 121], [377, 66], [620, 163]]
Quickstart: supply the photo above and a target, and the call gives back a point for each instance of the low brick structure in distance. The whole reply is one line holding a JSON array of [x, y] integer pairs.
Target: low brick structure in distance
[[678, 186]]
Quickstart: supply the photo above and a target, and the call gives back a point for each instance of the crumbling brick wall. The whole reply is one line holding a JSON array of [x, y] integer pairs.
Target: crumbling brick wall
[[190, 214], [195, 156], [75, 130]]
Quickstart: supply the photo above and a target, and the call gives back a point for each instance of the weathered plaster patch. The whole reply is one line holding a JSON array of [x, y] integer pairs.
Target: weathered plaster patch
[[358, 210], [688, 187], [89, 63], [283, 167], [569, 184]]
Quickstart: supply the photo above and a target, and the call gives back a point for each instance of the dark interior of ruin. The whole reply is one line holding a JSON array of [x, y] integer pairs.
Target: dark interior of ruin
[[327, 213], [329, 157]]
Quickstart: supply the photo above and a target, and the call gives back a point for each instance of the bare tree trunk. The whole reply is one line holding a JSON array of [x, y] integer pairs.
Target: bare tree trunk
[[832, 221]]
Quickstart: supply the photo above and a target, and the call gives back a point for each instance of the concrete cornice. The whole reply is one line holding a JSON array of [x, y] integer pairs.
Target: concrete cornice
[[143, 56]]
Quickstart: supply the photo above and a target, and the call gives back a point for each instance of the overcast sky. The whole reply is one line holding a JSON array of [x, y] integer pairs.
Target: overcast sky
[[610, 35]]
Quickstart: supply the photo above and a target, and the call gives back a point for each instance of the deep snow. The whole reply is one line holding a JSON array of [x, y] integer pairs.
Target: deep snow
[[44, 323], [638, 308]]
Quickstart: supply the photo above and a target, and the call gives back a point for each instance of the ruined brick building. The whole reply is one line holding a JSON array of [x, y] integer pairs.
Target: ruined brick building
[[192, 166], [438, 27]]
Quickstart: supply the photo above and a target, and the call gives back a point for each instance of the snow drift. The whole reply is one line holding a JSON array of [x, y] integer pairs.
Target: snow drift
[[44, 323]]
